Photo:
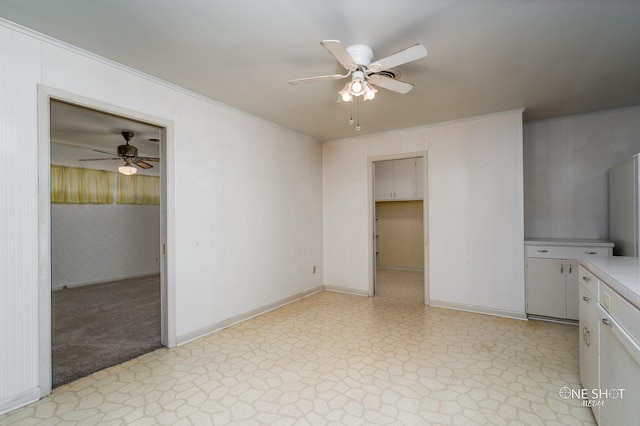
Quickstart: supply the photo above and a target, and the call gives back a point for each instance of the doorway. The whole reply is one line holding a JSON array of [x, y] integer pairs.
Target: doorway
[[105, 247], [399, 229], [91, 276]]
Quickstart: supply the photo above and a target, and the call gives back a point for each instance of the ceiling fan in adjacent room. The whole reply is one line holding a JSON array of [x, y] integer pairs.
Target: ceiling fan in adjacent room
[[129, 154]]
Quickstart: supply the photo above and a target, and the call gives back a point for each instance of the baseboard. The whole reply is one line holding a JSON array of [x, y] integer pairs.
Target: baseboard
[[188, 337], [347, 290], [478, 309], [551, 319], [20, 400], [128, 277], [400, 268]]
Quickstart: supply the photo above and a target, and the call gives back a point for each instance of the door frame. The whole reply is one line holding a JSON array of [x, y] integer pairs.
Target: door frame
[[167, 257], [371, 215]]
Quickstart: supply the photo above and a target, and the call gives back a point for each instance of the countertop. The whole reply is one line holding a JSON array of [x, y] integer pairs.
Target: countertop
[[621, 273], [567, 242]]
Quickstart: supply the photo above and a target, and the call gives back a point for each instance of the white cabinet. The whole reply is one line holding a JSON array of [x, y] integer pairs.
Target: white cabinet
[[398, 179], [552, 277], [589, 344], [610, 363], [547, 287], [619, 372]]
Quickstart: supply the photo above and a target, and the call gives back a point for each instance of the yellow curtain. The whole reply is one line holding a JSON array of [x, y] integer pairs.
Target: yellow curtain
[[138, 189], [73, 185]]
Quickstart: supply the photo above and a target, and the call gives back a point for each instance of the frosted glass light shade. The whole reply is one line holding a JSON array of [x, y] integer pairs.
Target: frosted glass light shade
[[127, 169]]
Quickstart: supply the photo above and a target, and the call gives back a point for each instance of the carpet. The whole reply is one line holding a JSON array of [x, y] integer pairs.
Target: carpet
[[100, 325]]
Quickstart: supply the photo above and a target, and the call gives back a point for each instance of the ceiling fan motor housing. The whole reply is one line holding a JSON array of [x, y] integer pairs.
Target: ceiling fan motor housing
[[128, 151], [361, 54]]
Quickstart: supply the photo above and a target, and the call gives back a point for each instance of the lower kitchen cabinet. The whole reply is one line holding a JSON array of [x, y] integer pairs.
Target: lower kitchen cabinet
[[610, 338], [589, 337], [552, 275]]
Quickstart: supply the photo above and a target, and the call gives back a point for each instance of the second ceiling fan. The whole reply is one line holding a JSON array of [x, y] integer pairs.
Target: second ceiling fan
[[129, 154]]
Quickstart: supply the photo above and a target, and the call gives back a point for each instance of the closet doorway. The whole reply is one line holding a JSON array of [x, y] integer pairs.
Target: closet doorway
[[106, 236], [399, 229]]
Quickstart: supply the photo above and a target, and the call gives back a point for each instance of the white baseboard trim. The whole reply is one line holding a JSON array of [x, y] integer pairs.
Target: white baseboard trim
[[188, 337], [400, 268], [128, 277], [478, 309], [20, 400], [347, 290]]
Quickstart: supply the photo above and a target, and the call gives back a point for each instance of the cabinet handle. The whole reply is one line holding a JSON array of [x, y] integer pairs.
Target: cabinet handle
[[570, 268], [586, 278], [606, 321], [590, 252], [586, 299], [587, 337], [542, 251], [562, 268]]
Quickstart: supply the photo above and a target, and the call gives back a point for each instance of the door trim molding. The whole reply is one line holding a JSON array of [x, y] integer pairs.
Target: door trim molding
[[167, 207], [371, 214]]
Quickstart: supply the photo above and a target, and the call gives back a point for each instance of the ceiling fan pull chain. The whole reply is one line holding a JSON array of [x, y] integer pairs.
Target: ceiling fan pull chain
[[357, 113], [351, 113]]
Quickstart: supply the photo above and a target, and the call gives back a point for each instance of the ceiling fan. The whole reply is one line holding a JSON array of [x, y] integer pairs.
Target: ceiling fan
[[364, 73], [129, 154]]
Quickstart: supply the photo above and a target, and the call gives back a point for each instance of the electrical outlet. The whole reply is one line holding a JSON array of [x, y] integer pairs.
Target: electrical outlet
[[606, 301]]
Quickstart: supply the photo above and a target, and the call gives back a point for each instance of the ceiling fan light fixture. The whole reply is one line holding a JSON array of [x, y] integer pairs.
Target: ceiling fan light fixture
[[345, 93], [357, 83], [369, 91], [127, 169]]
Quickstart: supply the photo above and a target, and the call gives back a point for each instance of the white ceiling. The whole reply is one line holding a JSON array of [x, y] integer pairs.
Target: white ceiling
[[554, 58]]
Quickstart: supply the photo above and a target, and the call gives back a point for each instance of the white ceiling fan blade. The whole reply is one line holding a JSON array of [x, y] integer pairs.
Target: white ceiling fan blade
[[318, 78], [340, 53], [402, 57], [390, 83]]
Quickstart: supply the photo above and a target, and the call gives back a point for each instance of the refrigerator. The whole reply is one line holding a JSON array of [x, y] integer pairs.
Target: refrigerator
[[624, 211]]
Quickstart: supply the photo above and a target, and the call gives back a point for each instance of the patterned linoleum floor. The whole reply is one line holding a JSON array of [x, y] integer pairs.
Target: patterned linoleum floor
[[400, 284], [334, 358]]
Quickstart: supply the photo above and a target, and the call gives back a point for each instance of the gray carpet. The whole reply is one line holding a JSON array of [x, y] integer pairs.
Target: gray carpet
[[97, 326]]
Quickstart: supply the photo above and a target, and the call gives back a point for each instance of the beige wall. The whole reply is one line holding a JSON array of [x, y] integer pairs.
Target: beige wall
[[401, 230]]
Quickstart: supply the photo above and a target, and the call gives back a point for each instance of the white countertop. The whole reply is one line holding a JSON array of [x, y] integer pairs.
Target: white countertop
[[620, 273], [567, 242]]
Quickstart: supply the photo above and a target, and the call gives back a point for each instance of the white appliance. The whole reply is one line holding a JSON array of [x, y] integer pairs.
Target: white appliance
[[624, 209]]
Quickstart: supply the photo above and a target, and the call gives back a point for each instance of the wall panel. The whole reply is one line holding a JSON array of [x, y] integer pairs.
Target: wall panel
[[474, 237], [20, 66], [244, 200], [566, 161]]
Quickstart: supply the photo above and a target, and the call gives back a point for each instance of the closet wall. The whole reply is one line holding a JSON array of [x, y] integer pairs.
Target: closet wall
[[401, 234]]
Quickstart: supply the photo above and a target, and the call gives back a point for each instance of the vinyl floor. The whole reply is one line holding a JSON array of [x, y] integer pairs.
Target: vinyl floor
[[335, 358]]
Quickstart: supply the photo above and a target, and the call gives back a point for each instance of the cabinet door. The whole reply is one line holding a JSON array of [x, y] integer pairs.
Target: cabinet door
[[383, 183], [546, 287], [405, 179], [619, 374], [571, 275], [589, 343]]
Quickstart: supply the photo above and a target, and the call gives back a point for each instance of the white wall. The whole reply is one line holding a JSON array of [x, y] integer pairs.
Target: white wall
[[94, 243], [566, 161], [474, 200], [244, 201]]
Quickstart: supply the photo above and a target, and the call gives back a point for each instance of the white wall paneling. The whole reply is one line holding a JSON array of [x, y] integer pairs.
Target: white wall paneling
[[566, 164], [474, 204], [244, 200], [19, 69]]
